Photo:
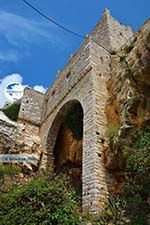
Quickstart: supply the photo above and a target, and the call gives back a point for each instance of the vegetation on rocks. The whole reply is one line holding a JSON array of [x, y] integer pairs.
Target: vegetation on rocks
[[51, 199], [8, 170], [7, 174], [46, 199], [136, 190], [112, 130], [134, 199], [113, 52], [122, 58], [12, 111]]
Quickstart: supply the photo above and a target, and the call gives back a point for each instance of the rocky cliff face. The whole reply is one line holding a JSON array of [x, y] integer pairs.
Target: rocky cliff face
[[69, 148], [129, 85], [68, 155], [128, 104], [16, 138]]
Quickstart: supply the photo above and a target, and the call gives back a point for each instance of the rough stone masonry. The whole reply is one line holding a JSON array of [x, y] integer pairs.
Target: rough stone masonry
[[83, 80]]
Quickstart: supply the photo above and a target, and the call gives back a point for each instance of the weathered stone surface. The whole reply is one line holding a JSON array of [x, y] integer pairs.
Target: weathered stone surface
[[15, 139], [128, 103], [68, 155], [110, 33], [129, 84], [31, 106], [69, 149]]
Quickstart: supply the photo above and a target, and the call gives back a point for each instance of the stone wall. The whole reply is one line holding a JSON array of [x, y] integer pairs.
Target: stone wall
[[31, 106], [110, 33], [78, 64]]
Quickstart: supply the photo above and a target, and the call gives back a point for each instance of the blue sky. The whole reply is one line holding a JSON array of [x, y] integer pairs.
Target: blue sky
[[35, 49]]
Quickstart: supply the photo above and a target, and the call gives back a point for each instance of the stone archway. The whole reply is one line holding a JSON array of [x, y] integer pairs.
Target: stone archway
[[92, 99], [65, 142]]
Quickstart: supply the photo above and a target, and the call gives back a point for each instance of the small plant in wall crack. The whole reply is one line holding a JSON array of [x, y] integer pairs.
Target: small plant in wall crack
[[112, 131], [122, 58], [113, 52]]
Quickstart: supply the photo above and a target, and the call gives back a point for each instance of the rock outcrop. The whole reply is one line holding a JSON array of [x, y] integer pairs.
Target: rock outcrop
[[128, 104], [68, 155], [16, 139]]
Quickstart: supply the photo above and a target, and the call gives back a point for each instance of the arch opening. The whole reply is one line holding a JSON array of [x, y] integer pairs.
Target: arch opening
[[68, 142]]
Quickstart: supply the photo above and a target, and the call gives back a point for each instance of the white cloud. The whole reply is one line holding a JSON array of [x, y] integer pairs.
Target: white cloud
[[39, 88], [14, 78], [19, 32], [18, 28], [9, 56]]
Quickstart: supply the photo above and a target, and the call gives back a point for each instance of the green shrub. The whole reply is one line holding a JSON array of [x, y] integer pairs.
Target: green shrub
[[113, 213], [138, 160], [137, 185], [122, 58], [44, 200], [112, 130], [9, 170], [137, 220], [12, 111], [143, 139]]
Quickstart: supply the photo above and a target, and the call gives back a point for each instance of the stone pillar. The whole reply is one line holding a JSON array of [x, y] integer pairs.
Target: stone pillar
[[95, 189]]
